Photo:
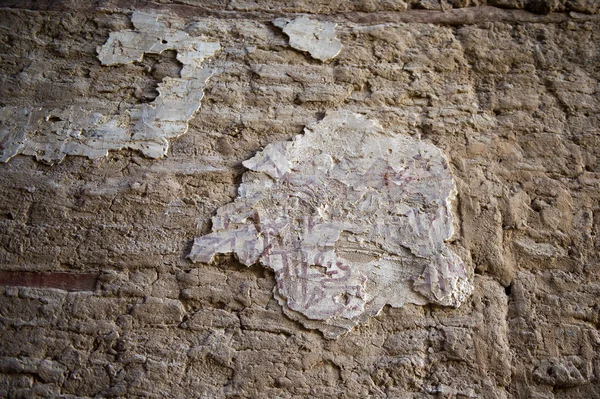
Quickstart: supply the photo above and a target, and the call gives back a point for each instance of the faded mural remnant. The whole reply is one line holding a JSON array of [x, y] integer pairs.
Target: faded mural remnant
[[350, 217], [315, 37], [51, 134]]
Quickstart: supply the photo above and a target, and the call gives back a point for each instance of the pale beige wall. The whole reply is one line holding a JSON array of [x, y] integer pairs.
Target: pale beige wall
[[511, 97]]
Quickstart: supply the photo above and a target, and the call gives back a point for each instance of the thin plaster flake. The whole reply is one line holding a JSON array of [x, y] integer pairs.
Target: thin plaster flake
[[315, 37], [350, 217], [51, 134]]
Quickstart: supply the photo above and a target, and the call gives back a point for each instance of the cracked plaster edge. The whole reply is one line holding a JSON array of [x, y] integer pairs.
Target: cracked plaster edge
[[136, 132], [312, 36], [424, 287]]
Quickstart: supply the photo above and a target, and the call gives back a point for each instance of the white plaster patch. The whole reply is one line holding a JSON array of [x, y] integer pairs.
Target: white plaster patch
[[315, 37], [51, 134], [350, 217]]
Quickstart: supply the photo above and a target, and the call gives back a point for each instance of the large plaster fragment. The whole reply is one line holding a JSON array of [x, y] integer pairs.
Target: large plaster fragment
[[51, 134], [315, 37], [350, 217]]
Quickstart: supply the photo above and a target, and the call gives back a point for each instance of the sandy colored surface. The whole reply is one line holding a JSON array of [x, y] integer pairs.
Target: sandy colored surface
[[512, 99]]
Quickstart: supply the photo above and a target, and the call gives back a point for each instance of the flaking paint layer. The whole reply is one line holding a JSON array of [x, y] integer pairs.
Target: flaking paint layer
[[350, 217], [51, 134], [315, 37]]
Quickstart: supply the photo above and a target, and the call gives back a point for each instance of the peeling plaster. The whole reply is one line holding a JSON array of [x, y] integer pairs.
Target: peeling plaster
[[350, 217], [51, 134], [315, 37]]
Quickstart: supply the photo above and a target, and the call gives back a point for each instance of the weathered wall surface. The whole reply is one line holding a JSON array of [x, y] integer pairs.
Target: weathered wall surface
[[98, 298]]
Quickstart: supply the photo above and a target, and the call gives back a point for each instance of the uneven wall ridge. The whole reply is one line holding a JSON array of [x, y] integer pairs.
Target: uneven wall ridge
[[98, 296]]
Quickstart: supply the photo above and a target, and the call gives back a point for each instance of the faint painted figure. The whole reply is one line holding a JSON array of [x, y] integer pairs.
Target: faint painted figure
[[350, 217]]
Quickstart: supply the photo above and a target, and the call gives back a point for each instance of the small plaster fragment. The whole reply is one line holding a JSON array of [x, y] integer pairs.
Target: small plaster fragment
[[315, 37], [51, 134], [350, 217]]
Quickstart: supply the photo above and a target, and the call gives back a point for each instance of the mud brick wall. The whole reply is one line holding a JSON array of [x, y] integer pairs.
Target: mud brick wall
[[98, 298]]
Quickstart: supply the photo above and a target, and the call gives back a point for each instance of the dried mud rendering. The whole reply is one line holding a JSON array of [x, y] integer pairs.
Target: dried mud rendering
[[299, 199]]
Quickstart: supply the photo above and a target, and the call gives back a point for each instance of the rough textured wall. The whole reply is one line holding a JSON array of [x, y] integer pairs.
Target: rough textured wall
[[100, 300]]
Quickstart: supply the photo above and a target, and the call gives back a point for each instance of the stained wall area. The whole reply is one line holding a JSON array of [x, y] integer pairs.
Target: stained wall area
[[99, 299]]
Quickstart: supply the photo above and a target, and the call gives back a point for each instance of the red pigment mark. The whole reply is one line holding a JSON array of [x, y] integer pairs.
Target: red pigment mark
[[61, 280]]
